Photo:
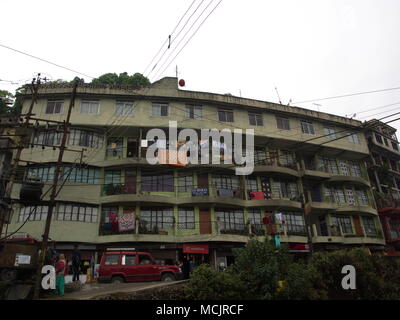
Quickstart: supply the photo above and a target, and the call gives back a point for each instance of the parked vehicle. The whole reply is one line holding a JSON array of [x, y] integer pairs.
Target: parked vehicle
[[127, 266], [18, 258]]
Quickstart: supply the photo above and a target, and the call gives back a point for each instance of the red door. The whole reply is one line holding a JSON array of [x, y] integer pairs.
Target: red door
[[130, 181], [205, 221], [147, 269], [129, 267]]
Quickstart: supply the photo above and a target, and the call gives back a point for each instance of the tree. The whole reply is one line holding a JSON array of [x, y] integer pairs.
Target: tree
[[136, 79], [6, 100]]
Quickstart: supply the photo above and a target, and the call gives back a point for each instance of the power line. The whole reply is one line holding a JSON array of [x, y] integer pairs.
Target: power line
[[348, 95], [166, 41], [47, 61], [192, 36], [183, 27]]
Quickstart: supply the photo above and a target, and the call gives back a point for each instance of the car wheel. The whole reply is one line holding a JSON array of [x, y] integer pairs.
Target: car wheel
[[168, 277], [117, 279], [8, 275]]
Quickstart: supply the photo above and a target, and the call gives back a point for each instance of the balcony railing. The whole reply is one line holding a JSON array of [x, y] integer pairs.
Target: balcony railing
[[194, 192], [119, 188]]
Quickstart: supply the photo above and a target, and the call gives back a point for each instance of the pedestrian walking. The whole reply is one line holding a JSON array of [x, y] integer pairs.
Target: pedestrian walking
[[76, 263]]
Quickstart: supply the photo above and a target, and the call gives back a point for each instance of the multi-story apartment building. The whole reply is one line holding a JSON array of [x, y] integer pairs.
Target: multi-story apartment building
[[384, 172], [312, 187]]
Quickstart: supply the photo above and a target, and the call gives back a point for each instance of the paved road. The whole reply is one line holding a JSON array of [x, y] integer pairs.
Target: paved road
[[92, 290]]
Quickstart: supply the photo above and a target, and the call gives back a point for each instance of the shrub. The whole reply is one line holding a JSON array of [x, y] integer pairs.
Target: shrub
[[208, 284]]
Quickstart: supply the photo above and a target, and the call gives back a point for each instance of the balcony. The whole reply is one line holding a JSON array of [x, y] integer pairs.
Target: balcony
[[334, 234], [121, 193], [320, 171], [321, 203]]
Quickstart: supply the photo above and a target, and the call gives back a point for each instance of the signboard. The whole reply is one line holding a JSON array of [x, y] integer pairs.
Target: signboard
[[195, 248], [21, 258], [200, 192], [126, 221]]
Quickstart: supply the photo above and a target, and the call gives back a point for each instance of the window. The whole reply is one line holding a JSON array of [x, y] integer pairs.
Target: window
[[49, 138], [33, 213], [226, 182], [330, 132], [112, 176], [90, 107], [54, 107], [355, 169], [354, 138], [339, 196], [193, 111], [254, 216], [85, 138], [230, 219], [345, 223], [129, 260], [225, 115], [185, 182], [90, 175], [394, 226], [112, 259], [330, 165], [159, 109], [114, 147], [255, 119], [186, 218], [307, 127], [160, 183], [282, 123], [344, 170], [369, 226], [260, 156], [162, 218], [284, 189], [362, 197], [251, 184], [294, 223], [378, 138], [77, 212], [44, 173], [109, 213], [395, 146], [286, 159], [124, 108]]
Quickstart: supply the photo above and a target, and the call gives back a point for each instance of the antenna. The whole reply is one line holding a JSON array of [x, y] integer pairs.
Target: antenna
[[279, 98], [317, 105]]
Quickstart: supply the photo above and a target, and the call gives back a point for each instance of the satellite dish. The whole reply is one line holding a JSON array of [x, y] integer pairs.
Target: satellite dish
[[181, 83]]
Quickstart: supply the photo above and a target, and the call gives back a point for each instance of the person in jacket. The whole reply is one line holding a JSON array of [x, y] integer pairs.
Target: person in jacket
[[76, 263], [60, 274]]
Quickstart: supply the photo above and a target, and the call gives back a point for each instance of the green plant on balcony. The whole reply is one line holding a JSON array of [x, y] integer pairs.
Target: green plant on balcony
[[109, 189]]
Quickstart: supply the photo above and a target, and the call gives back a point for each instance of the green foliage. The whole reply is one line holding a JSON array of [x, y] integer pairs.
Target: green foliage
[[372, 282], [6, 100], [260, 266], [136, 79], [208, 284]]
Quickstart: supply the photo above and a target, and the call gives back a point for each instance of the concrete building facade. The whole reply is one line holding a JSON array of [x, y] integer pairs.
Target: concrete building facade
[[313, 189]]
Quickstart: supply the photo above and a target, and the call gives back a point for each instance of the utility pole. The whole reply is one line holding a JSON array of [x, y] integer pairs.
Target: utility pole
[[34, 87], [53, 195]]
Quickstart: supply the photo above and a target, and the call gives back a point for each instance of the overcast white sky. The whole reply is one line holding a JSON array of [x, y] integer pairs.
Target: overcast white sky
[[307, 49]]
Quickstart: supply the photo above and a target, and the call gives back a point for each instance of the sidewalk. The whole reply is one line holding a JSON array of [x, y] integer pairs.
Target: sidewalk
[[93, 290]]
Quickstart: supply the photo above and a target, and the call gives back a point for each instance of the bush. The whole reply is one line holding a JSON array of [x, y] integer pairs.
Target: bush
[[208, 284], [260, 266]]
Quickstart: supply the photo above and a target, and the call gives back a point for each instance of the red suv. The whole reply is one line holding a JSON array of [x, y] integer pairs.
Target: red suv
[[126, 266]]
